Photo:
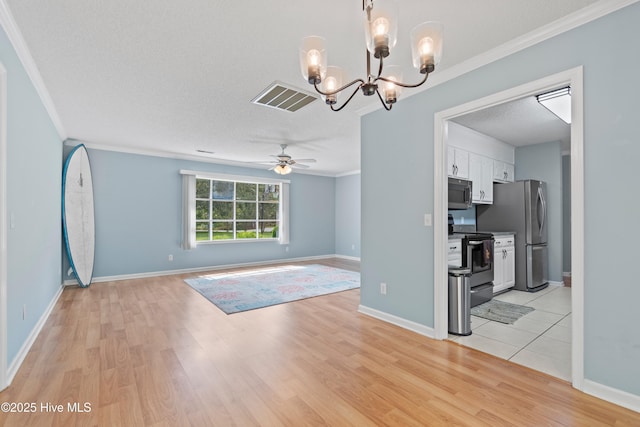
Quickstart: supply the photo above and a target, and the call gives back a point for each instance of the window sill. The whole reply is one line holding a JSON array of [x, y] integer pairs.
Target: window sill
[[226, 242]]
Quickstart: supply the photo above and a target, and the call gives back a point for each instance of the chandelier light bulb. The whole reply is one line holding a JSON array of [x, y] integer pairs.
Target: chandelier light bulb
[[381, 26], [390, 93], [313, 56], [313, 59], [426, 46], [331, 84], [391, 90], [381, 36], [313, 63]]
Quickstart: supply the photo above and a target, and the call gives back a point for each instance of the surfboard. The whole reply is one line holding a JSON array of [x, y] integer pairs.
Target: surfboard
[[78, 214]]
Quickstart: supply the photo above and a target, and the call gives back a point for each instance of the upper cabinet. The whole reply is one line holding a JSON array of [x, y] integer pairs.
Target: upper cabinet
[[481, 175], [503, 171], [486, 159], [457, 163]]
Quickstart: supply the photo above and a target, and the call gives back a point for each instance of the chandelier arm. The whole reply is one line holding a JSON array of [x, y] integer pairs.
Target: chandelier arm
[[426, 75], [383, 103], [315, 85], [347, 101], [380, 68]]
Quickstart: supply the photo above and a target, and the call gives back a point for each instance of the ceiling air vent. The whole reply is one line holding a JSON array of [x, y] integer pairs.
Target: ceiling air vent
[[284, 97]]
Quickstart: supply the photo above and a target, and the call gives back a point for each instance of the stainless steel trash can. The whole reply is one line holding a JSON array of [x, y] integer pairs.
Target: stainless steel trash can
[[459, 301]]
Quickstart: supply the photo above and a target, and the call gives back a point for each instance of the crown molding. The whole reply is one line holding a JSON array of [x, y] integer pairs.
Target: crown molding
[[179, 156], [559, 26], [22, 51], [355, 172]]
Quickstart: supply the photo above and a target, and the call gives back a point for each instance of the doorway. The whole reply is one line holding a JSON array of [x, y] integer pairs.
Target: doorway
[[571, 78]]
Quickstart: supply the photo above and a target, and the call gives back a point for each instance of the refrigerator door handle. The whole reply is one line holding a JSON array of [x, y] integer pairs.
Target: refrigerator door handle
[[542, 218]]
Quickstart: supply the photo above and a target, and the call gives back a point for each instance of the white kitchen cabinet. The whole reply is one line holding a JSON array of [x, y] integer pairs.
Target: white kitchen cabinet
[[481, 175], [454, 253], [504, 263], [503, 171], [457, 163]]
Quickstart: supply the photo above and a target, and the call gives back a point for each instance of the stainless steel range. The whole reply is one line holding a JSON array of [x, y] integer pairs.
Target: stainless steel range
[[477, 255]]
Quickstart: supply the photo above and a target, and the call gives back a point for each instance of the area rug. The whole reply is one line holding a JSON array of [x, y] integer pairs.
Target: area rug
[[250, 289], [500, 311]]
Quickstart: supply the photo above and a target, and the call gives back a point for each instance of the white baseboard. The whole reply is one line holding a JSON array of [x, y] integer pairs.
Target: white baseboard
[[613, 395], [398, 321], [347, 257], [554, 283], [73, 282], [17, 361]]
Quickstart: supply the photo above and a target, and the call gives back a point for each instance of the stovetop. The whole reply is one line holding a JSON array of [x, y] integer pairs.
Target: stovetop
[[471, 234]]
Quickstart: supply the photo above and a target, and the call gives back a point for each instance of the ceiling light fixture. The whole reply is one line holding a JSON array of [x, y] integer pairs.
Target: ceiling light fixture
[[381, 33], [282, 169], [558, 102]]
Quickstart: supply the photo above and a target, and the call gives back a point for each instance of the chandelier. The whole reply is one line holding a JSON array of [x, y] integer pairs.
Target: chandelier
[[381, 31]]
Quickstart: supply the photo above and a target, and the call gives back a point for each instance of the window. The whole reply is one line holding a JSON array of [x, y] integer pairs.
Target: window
[[230, 210], [233, 208]]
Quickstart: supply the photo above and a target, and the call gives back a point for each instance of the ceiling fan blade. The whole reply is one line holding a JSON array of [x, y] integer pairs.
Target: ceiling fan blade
[[264, 162], [306, 160]]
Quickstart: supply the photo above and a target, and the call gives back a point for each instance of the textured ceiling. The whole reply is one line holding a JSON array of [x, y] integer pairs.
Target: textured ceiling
[[520, 122], [176, 77]]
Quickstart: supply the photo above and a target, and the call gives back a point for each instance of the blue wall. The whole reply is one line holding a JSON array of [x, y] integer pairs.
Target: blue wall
[[401, 252], [544, 163], [34, 169], [138, 217], [348, 216]]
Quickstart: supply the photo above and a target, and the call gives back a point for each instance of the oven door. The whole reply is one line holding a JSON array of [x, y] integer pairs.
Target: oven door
[[480, 260]]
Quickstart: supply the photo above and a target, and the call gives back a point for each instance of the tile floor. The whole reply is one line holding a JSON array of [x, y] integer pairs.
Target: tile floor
[[540, 340]]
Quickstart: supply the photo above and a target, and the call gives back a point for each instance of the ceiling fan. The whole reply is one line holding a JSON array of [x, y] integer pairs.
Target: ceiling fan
[[284, 162]]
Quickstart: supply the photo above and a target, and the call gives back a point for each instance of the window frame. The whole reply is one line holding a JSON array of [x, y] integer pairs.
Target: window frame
[[189, 208]]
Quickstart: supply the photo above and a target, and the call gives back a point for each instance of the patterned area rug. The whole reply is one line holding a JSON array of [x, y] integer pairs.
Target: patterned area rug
[[250, 289], [500, 311]]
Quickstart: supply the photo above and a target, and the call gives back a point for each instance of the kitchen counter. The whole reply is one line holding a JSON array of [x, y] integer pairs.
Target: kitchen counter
[[499, 233]]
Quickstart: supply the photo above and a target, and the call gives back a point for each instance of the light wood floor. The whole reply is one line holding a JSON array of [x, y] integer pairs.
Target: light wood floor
[[153, 352]]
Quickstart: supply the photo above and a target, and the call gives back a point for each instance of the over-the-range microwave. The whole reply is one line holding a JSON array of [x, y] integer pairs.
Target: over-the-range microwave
[[459, 193]]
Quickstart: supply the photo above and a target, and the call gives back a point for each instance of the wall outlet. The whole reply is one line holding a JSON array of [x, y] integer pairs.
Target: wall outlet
[[353, 246], [170, 257], [383, 288], [24, 311], [427, 220]]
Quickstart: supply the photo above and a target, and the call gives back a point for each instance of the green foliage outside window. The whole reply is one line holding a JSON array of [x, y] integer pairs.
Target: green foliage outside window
[[227, 210]]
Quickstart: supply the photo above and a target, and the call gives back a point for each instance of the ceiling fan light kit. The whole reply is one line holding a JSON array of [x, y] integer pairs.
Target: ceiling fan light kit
[[282, 169], [381, 30], [284, 164]]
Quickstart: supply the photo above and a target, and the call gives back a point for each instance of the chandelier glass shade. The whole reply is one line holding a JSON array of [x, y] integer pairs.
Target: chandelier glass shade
[[381, 30]]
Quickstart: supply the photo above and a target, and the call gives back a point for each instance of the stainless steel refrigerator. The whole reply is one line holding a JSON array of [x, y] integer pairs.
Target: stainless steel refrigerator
[[521, 207]]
